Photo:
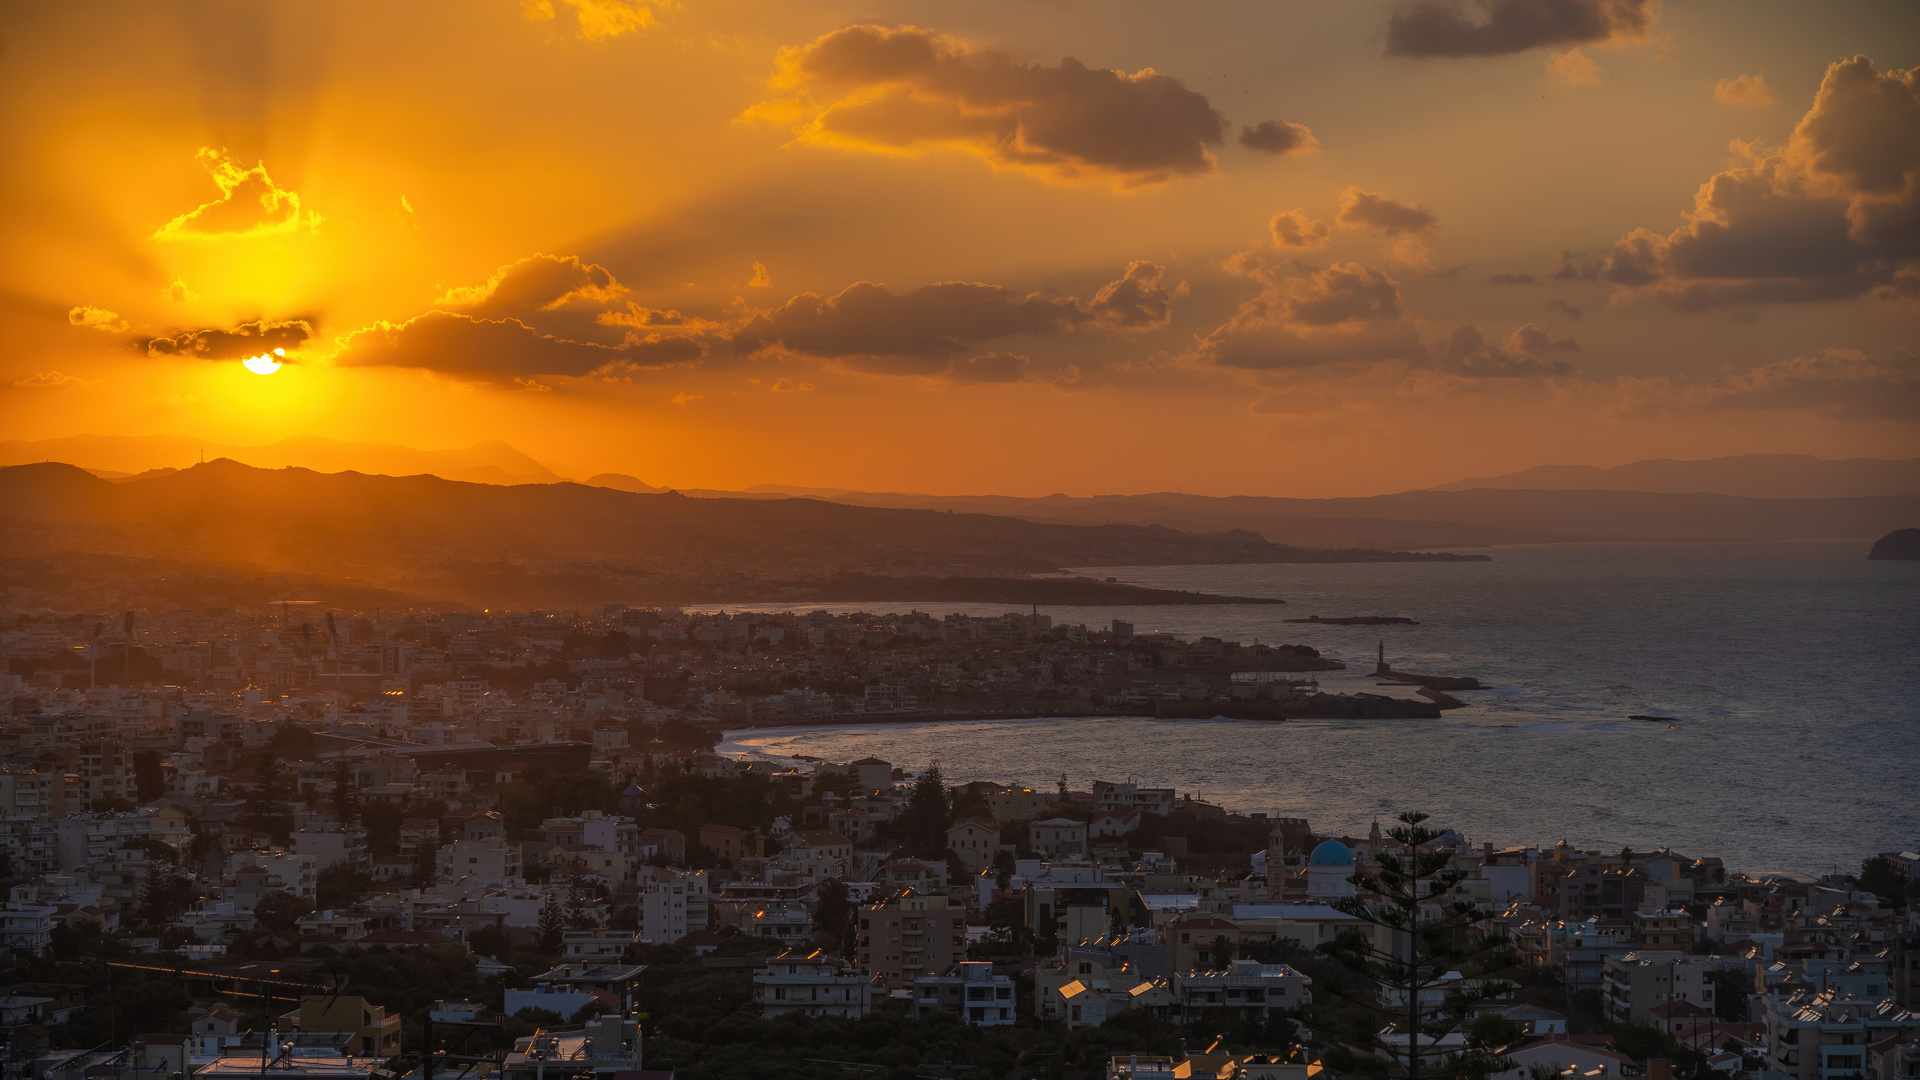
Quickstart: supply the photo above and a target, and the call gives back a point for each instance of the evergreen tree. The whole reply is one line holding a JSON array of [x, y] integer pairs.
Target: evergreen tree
[[1419, 932], [268, 809], [928, 814], [346, 794], [553, 926]]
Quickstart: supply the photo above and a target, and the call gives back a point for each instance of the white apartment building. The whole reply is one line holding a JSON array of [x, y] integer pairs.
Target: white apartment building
[[812, 985], [673, 904], [495, 862], [26, 928]]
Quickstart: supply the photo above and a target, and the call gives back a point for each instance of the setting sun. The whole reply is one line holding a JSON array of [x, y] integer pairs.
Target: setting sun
[[265, 363]]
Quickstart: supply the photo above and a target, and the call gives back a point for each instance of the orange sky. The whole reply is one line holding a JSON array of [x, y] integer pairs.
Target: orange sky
[[1261, 247]]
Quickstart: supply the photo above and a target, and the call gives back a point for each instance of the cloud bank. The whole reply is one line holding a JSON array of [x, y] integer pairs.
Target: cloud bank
[[904, 90], [1452, 28], [1832, 214]]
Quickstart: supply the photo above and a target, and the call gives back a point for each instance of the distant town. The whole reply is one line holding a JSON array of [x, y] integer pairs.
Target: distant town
[[296, 844]]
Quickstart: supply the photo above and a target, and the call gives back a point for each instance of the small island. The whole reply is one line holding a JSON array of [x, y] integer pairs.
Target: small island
[[1900, 544]]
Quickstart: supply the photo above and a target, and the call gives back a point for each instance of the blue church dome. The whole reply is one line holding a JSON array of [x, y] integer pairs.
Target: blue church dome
[[1331, 853]]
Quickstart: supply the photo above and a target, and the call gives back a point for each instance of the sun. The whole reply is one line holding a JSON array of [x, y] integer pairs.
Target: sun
[[265, 363]]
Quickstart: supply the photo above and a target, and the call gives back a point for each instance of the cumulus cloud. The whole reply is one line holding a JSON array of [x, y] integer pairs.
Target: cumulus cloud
[[537, 283], [903, 90], [1352, 314], [789, 386], [1527, 352], [1744, 90], [594, 18], [1279, 137], [1566, 309], [760, 280], [1454, 28], [921, 331], [1360, 209], [1832, 214], [1841, 383], [53, 380], [232, 342], [1346, 313], [1574, 68], [250, 204], [466, 345], [1294, 229], [1369, 209], [93, 318]]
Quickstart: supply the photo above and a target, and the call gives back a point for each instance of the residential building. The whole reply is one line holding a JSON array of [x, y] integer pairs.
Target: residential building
[[814, 984], [376, 1033], [495, 862], [1127, 796], [1589, 1058], [910, 936], [730, 844], [972, 992], [1825, 1036], [1632, 986], [976, 841], [1058, 838], [1248, 989], [673, 903]]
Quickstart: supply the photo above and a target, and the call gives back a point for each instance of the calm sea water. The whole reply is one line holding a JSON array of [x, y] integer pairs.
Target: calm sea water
[[1792, 669]]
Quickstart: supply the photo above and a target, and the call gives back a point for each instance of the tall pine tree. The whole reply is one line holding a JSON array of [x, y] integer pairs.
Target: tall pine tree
[[1408, 1004]]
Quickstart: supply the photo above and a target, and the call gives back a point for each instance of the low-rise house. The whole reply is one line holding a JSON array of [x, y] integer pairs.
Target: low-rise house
[[376, 1033], [975, 840], [599, 946], [1587, 1056], [1058, 838], [973, 992], [1249, 989]]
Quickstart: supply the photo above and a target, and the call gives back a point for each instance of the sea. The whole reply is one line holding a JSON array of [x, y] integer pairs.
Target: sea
[[1790, 672]]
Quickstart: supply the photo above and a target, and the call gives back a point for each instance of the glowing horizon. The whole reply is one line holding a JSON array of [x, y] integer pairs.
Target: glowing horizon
[[1273, 249]]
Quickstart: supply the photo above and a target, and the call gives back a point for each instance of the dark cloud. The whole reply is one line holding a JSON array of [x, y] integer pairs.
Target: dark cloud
[[1370, 209], [1354, 314], [1840, 383], [919, 331], [1137, 301], [535, 284], [1527, 352], [1833, 214], [1513, 279], [1346, 313], [498, 349], [1578, 265], [1279, 137], [898, 89], [991, 368], [232, 342], [1453, 28], [1566, 309]]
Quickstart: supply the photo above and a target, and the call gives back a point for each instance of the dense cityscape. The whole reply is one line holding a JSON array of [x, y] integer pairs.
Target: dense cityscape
[[303, 844]]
